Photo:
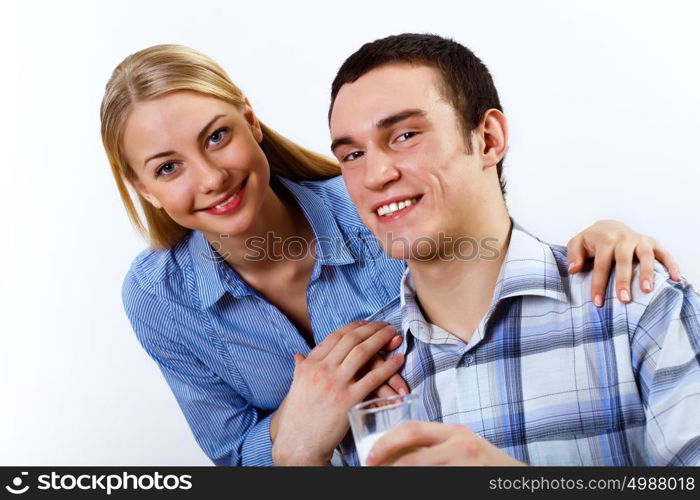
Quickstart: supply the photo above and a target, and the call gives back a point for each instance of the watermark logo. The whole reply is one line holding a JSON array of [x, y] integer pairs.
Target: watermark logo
[[16, 488], [108, 483], [273, 248]]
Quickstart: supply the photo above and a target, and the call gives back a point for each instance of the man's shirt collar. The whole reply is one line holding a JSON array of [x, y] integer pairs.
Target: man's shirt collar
[[529, 268]]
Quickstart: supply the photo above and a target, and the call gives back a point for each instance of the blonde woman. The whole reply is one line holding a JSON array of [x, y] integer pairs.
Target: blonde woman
[[260, 270]]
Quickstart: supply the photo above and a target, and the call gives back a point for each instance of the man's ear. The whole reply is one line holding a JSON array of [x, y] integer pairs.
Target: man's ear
[[494, 134], [252, 120], [138, 186]]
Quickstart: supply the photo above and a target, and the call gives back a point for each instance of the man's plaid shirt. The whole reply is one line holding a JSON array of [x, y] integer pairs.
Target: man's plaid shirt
[[553, 380]]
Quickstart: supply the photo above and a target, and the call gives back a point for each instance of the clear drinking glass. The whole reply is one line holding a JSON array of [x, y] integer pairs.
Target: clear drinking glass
[[371, 419]]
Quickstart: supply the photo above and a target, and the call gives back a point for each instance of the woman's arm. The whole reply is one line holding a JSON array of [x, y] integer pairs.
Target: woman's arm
[[228, 429]]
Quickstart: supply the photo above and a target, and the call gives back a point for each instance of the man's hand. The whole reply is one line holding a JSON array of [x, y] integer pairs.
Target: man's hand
[[427, 443], [609, 240], [313, 419]]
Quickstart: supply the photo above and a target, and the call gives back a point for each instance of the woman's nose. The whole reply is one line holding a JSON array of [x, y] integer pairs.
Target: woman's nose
[[211, 177]]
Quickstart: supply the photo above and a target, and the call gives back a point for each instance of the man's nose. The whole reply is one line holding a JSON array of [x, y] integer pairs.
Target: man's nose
[[211, 177], [380, 170]]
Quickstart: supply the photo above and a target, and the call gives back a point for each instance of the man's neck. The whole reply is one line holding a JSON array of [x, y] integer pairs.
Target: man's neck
[[455, 294]]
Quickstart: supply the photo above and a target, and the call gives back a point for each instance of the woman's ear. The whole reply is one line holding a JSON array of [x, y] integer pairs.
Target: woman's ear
[[494, 133], [141, 189], [252, 120]]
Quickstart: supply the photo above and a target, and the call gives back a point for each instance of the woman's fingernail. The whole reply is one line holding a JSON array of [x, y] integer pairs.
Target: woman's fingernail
[[571, 266], [402, 391], [625, 295], [646, 284], [598, 300]]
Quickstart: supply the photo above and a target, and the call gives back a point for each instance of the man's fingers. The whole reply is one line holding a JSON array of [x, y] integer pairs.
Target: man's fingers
[[624, 255], [601, 273], [407, 436], [423, 456]]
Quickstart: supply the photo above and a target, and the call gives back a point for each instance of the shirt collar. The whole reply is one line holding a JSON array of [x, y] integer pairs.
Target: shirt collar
[[214, 277], [331, 246], [529, 268]]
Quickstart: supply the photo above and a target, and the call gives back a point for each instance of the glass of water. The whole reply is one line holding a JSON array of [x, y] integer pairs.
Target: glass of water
[[371, 419]]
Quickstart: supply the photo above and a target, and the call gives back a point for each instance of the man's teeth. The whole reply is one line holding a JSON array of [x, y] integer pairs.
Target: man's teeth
[[395, 207]]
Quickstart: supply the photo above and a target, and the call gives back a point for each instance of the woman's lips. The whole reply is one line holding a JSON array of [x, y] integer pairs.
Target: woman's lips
[[229, 205]]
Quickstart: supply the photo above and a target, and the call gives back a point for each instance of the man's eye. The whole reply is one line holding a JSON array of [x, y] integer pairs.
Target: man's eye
[[166, 169], [406, 136], [353, 156], [217, 137]]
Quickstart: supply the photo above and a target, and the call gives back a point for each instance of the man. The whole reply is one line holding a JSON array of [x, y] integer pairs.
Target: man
[[516, 364]]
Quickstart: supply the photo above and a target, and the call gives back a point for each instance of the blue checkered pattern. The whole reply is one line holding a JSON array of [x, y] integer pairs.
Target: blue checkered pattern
[[553, 380]]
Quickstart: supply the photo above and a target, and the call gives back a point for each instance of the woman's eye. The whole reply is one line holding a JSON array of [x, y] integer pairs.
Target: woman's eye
[[353, 156], [406, 136], [166, 169], [217, 137]]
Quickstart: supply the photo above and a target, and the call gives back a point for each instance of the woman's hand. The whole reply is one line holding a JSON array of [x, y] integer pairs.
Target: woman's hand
[[607, 241], [430, 443], [337, 374]]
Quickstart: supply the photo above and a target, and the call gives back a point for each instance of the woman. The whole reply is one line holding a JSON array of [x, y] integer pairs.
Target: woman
[[257, 256]]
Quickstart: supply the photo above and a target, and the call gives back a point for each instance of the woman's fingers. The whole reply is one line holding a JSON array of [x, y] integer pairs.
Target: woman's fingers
[[669, 262], [376, 377], [576, 253], [393, 344], [321, 350], [601, 273], [363, 352], [378, 331], [624, 257], [398, 384], [645, 254], [383, 391]]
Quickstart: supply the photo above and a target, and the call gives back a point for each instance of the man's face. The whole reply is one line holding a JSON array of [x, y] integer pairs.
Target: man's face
[[404, 159]]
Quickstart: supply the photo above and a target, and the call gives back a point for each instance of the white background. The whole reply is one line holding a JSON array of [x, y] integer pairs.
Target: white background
[[604, 111]]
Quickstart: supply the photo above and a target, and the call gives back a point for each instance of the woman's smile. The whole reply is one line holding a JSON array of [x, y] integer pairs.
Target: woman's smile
[[229, 204]]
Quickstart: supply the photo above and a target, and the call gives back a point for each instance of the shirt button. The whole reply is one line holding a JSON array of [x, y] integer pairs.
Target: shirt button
[[469, 359]]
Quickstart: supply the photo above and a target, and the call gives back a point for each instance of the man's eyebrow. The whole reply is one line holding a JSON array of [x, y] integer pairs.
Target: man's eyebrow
[[384, 123], [341, 141], [399, 117], [200, 136]]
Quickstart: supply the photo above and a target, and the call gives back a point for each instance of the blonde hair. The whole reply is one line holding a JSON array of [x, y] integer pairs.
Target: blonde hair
[[161, 69]]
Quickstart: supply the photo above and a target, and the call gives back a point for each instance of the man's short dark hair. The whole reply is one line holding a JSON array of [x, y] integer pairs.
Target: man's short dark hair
[[467, 83]]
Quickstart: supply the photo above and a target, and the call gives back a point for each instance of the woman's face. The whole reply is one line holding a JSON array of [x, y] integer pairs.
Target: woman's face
[[198, 158]]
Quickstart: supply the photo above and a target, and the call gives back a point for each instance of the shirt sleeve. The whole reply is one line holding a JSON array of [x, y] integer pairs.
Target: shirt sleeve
[[228, 429], [666, 355]]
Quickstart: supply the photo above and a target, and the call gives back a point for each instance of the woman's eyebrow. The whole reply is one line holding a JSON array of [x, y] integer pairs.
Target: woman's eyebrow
[[199, 139], [200, 136]]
